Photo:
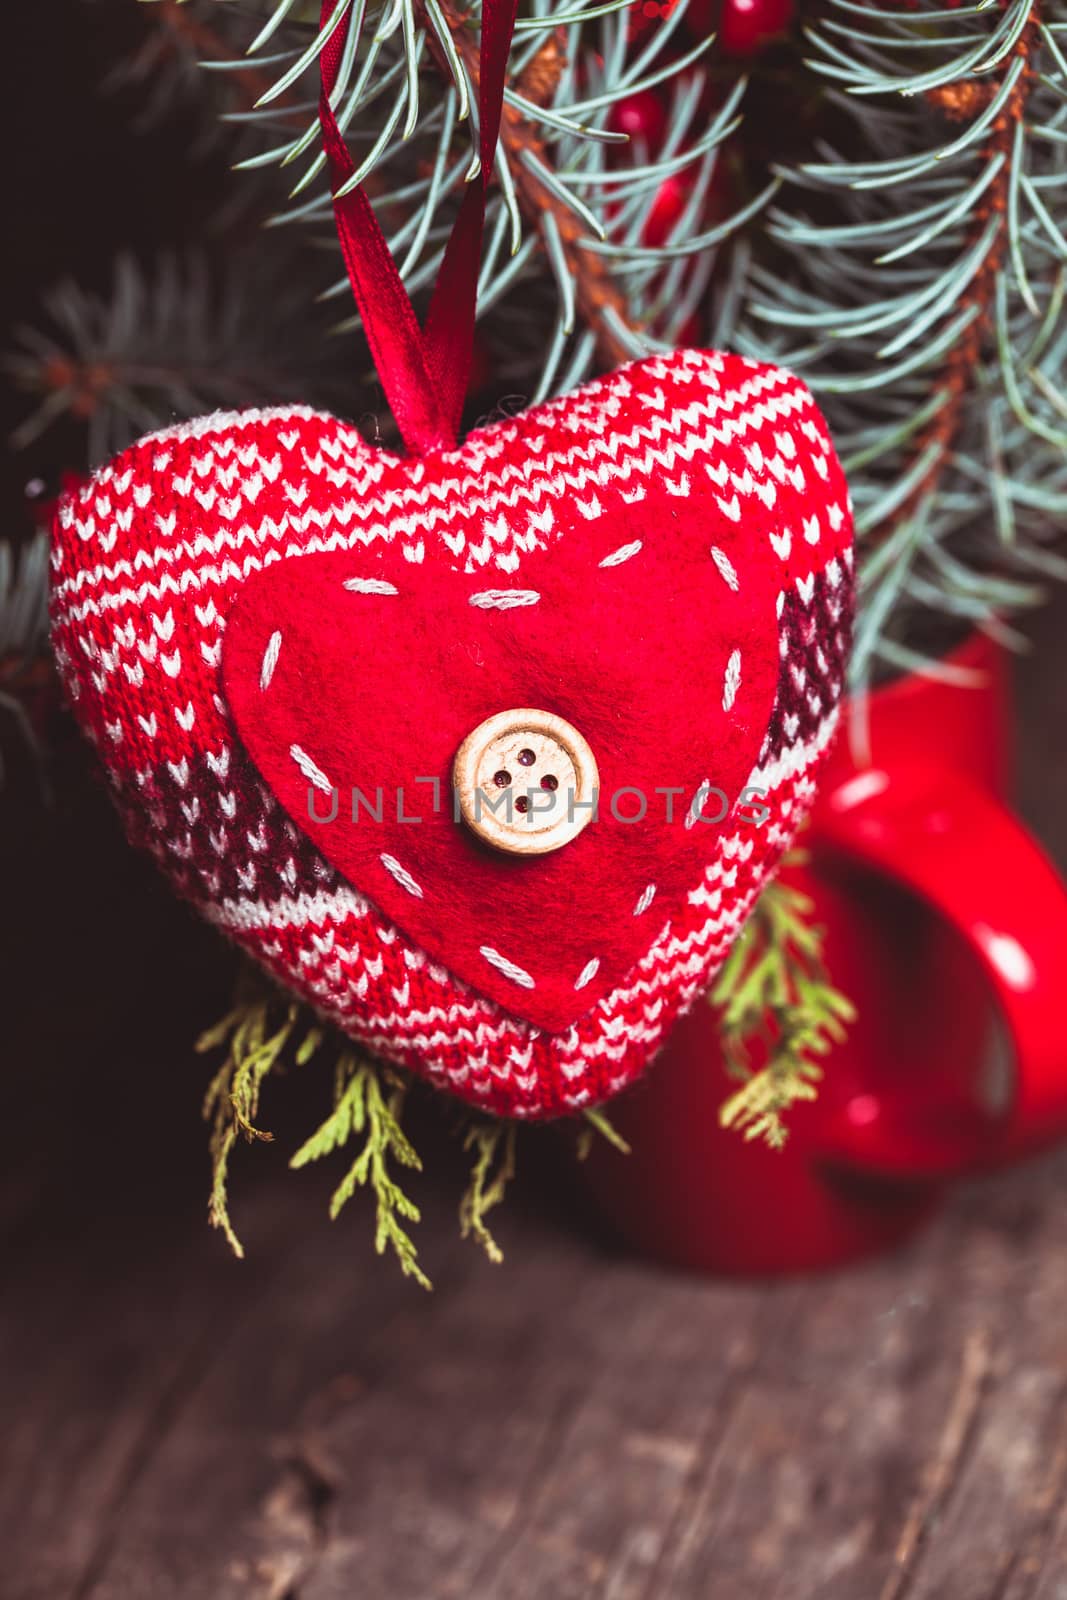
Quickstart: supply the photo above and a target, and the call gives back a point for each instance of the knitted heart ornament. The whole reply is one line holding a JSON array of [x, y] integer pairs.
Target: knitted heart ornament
[[270, 628]]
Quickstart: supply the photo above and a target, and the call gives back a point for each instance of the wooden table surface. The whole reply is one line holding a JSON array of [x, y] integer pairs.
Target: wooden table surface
[[306, 1425]]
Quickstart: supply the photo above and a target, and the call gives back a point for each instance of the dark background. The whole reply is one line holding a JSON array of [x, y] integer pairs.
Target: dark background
[[80, 183], [81, 914]]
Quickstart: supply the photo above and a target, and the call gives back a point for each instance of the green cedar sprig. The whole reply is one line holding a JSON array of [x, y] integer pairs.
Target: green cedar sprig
[[777, 1003], [231, 1106], [263, 1035], [493, 1144], [369, 1103]]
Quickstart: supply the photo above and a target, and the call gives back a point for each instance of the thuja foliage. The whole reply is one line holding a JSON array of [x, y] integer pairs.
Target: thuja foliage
[[492, 1144], [263, 1036], [368, 1104], [776, 1002], [254, 1049], [780, 1015]]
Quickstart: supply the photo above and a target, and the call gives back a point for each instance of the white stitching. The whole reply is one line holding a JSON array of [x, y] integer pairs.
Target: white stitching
[[369, 586], [588, 973], [270, 660], [732, 681], [402, 876], [311, 772], [726, 567], [698, 803], [647, 896], [508, 968], [504, 599], [623, 553]]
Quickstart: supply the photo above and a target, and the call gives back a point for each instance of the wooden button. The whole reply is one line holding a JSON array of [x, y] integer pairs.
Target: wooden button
[[526, 782]]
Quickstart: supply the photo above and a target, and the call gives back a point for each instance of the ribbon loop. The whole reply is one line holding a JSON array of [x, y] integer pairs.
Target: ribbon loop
[[424, 373]]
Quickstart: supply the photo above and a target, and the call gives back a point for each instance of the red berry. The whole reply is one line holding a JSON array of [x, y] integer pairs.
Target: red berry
[[673, 194], [643, 15], [671, 199], [745, 26], [641, 116]]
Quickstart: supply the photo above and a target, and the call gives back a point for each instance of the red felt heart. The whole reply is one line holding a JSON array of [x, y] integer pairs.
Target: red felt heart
[[628, 630], [684, 511]]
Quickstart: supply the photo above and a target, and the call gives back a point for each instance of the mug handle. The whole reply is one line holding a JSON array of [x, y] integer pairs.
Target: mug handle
[[962, 851]]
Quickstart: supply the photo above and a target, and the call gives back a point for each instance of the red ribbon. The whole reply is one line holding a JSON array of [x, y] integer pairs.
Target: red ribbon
[[424, 372]]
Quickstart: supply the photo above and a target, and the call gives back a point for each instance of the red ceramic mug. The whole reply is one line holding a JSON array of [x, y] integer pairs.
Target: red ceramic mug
[[947, 927]]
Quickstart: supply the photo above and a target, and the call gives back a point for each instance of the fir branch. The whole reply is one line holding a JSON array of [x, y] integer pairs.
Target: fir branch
[[191, 39], [776, 1002], [24, 600], [25, 669], [615, 299], [168, 344], [539, 197], [988, 228], [164, 70], [919, 287]]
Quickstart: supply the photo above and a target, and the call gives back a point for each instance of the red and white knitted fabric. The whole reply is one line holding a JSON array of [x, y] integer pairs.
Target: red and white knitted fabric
[[690, 505]]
